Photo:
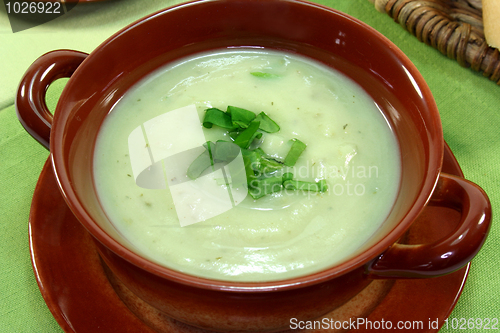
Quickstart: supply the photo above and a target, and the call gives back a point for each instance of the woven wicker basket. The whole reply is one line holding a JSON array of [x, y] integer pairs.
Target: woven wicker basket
[[454, 27]]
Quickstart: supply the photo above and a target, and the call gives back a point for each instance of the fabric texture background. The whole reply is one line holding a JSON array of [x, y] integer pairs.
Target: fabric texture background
[[469, 105]]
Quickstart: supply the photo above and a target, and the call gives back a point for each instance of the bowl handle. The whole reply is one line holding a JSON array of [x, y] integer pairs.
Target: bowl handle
[[450, 253], [31, 108]]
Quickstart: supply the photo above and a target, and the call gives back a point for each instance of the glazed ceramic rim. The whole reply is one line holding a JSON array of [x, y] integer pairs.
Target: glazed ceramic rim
[[433, 169]]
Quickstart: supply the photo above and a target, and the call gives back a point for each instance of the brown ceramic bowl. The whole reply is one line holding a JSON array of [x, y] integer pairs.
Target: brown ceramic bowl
[[100, 79]]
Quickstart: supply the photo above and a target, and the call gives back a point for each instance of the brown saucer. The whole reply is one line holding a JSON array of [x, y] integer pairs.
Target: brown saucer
[[77, 291]]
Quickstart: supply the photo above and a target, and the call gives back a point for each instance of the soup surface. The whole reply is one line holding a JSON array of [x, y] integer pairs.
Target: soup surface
[[209, 226]]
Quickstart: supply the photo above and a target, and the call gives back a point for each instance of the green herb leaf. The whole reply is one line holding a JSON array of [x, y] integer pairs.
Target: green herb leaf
[[260, 163], [225, 151], [287, 176], [251, 160], [294, 153], [217, 117], [247, 136], [261, 170], [201, 163], [240, 117], [265, 75], [218, 152], [269, 166], [234, 134], [267, 124], [320, 186], [261, 187]]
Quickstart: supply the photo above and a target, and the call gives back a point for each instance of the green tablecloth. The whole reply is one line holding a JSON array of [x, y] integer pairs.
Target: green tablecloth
[[469, 105]]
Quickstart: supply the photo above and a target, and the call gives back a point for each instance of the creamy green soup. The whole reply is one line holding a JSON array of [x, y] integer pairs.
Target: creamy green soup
[[207, 227]]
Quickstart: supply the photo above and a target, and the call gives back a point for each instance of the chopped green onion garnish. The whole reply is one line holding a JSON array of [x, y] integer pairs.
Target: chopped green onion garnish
[[201, 163], [240, 117], [294, 153], [217, 117], [251, 160], [256, 136], [234, 134], [320, 186], [267, 124], [247, 136], [261, 187], [269, 166], [262, 164], [261, 169], [264, 75], [287, 176], [224, 151]]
